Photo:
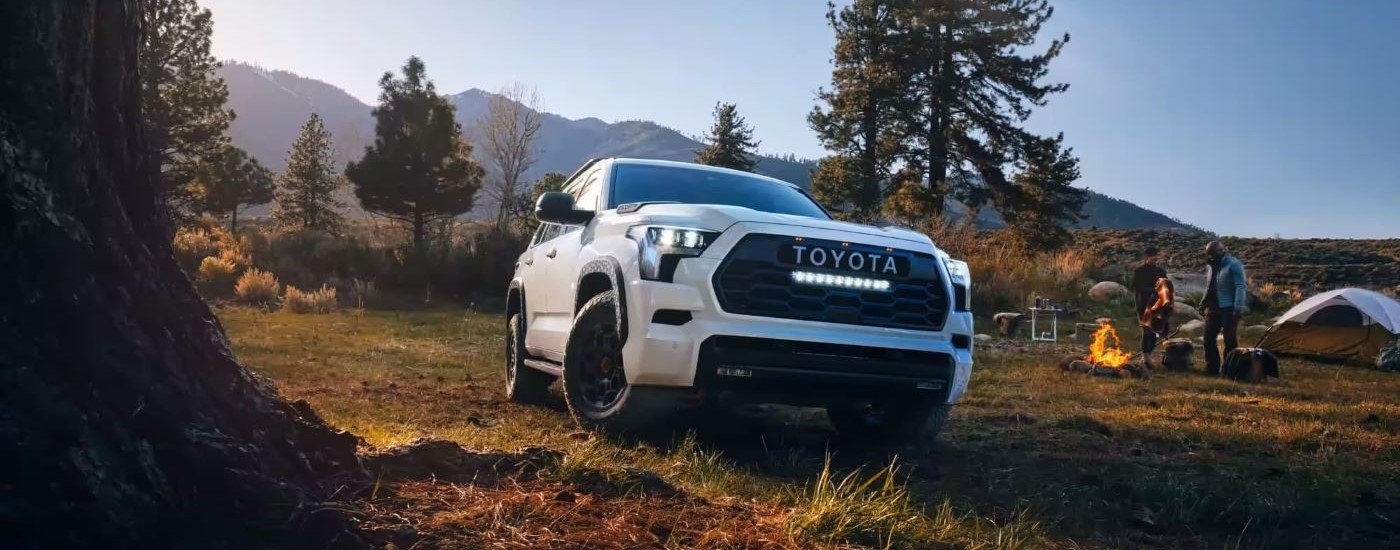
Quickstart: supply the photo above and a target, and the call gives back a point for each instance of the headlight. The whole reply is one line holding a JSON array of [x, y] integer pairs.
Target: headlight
[[661, 247], [958, 272], [961, 278]]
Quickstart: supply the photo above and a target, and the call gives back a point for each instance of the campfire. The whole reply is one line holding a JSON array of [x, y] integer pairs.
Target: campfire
[[1106, 357]]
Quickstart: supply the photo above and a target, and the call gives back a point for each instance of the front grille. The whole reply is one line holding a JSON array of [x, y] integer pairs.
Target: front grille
[[752, 281]]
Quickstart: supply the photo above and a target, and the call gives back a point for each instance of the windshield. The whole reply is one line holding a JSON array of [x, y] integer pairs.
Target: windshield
[[650, 183]]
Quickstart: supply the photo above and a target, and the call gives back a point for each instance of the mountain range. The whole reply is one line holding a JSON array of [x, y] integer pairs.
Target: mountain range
[[270, 106]]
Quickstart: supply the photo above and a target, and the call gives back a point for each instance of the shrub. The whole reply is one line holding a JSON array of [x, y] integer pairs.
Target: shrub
[[363, 294], [1006, 275], [313, 257], [317, 301], [192, 246], [257, 287], [216, 276]]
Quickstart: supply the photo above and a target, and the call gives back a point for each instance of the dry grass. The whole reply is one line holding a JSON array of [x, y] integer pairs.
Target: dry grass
[[257, 287], [193, 245], [315, 301], [1034, 457], [1006, 276], [216, 276]]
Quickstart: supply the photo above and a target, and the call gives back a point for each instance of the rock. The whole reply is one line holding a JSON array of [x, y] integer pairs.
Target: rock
[[1008, 324], [1182, 313], [1193, 326], [1108, 291], [984, 338], [1188, 283], [1253, 332]]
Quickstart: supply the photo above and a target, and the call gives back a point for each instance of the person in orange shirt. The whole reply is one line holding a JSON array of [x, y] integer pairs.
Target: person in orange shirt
[[1156, 317]]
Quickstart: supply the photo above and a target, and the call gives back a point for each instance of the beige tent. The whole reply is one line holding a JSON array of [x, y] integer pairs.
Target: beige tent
[[1350, 324]]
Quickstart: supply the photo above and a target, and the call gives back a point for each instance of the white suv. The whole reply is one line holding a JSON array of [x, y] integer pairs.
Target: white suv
[[653, 287]]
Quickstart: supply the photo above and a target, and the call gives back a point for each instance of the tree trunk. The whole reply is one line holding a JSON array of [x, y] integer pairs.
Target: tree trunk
[[419, 229], [124, 419], [233, 221], [937, 136]]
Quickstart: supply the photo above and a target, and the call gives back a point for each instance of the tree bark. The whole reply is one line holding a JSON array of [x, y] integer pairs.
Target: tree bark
[[937, 135], [124, 419], [419, 230]]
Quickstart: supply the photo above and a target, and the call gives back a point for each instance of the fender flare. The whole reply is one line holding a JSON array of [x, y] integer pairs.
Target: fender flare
[[515, 286], [610, 267]]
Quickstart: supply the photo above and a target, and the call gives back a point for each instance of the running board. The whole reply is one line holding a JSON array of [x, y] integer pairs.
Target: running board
[[546, 366]]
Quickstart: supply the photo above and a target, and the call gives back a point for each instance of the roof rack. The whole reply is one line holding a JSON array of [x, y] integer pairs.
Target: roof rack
[[586, 165]]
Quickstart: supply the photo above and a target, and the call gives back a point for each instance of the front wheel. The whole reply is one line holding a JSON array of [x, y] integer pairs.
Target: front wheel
[[595, 380], [523, 384], [893, 423]]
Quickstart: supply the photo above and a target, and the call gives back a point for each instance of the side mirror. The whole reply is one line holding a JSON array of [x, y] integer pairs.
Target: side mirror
[[558, 207]]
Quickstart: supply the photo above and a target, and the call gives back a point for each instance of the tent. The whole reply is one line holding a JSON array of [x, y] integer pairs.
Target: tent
[[1350, 324]]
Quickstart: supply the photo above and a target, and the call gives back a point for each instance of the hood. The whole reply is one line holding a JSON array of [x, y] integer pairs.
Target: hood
[[721, 217]]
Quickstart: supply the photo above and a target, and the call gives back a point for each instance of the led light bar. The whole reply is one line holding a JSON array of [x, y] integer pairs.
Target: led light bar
[[840, 281]]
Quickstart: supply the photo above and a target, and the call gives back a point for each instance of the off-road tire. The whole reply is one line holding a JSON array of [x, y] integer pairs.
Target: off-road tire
[[902, 423], [523, 384], [636, 410]]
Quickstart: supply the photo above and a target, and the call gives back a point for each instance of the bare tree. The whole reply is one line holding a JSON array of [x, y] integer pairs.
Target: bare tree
[[507, 140]]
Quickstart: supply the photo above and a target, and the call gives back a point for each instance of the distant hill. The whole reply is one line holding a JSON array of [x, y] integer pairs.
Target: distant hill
[[271, 105], [1293, 263]]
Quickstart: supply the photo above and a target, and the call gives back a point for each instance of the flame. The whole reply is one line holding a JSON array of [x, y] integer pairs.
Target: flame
[[1104, 350]]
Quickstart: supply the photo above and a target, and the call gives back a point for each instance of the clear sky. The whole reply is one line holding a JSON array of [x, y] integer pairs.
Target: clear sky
[[1246, 117]]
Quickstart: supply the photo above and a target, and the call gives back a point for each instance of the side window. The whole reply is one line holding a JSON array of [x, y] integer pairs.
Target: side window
[[588, 197], [545, 232]]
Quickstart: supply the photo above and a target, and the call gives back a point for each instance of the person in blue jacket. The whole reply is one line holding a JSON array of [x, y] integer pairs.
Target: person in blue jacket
[[1224, 303]]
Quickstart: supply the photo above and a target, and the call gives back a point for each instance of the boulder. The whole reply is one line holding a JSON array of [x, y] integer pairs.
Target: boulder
[[983, 338], [1187, 284], [1109, 291], [1008, 323], [1182, 313], [1193, 327], [1253, 332]]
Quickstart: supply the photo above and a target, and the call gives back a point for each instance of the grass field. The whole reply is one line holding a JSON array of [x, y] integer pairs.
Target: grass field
[[1034, 457]]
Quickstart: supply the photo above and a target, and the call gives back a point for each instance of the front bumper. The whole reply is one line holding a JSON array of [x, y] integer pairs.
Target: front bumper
[[782, 356]]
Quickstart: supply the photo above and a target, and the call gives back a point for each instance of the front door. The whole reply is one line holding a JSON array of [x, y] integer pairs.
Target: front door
[[560, 258], [536, 281]]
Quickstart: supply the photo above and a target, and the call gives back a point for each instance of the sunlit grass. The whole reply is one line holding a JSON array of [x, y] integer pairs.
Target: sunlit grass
[[1034, 457]]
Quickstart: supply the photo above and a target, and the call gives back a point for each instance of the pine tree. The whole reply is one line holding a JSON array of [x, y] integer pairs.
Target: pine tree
[[306, 187], [974, 86], [228, 182], [730, 143], [833, 181], [419, 170], [128, 423], [1042, 204], [181, 97], [855, 120]]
